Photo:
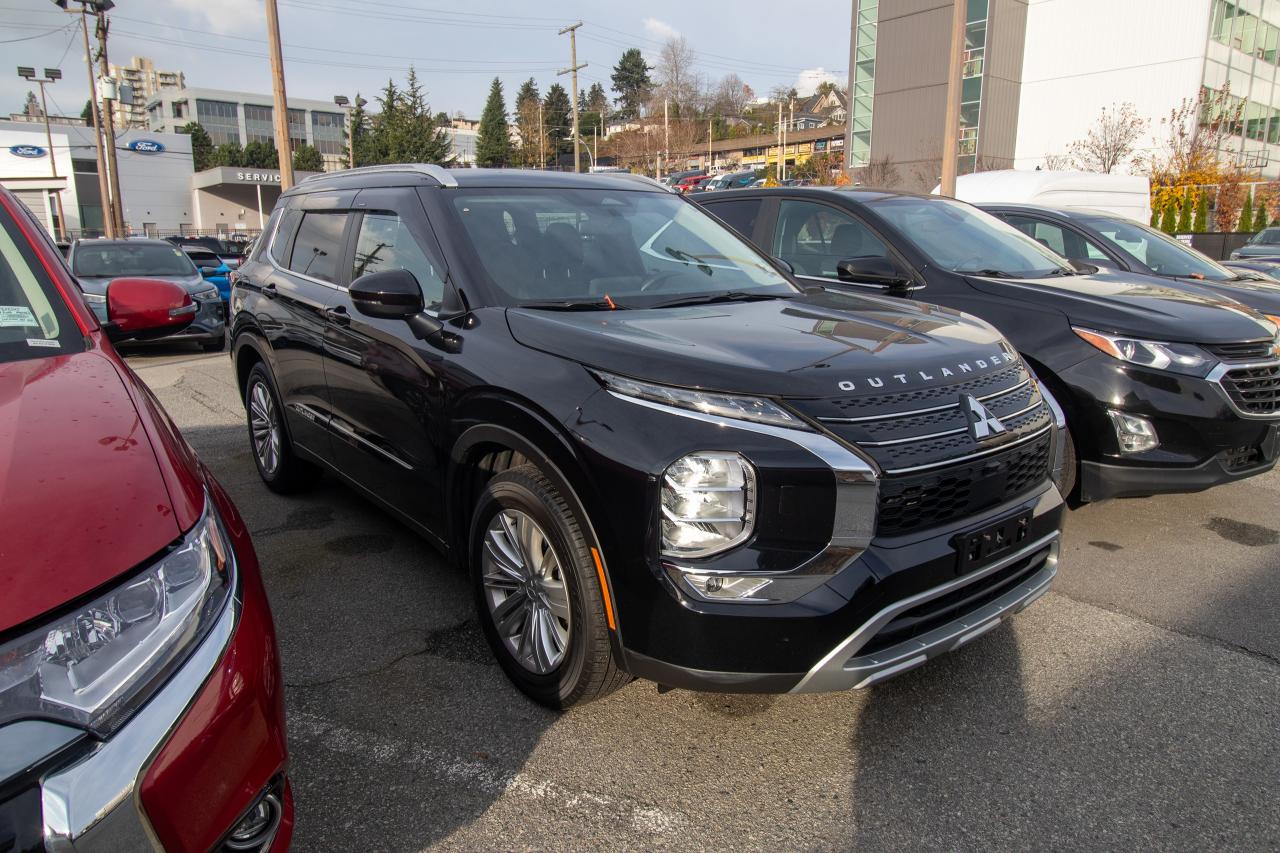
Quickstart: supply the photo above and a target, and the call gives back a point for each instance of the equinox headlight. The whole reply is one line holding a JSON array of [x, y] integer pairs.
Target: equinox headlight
[[708, 504], [1177, 358], [755, 409], [94, 666]]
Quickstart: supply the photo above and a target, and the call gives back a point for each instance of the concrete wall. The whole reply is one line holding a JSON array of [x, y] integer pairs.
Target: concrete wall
[[32, 176], [1084, 55]]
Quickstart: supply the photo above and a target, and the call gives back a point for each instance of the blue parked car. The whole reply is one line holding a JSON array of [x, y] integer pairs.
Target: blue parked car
[[213, 268]]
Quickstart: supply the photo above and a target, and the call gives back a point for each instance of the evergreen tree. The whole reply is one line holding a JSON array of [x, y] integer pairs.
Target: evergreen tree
[[261, 155], [632, 83], [201, 145], [1169, 220], [1155, 216], [1201, 223], [229, 154], [556, 121], [31, 107], [597, 99], [306, 158], [1184, 213], [422, 138], [493, 142], [528, 100], [87, 113], [1260, 211], [1246, 215]]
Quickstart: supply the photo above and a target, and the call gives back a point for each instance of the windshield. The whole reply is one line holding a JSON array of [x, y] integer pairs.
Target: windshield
[[1266, 237], [1162, 253], [34, 320], [114, 260], [632, 249], [963, 239]]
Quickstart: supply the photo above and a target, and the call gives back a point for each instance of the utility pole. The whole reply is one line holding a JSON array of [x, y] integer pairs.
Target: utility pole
[[853, 67], [951, 127], [281, 109], [108, 127], [778, 170], [108, 217], [542, 139], [710, 136], [573, 93], [666, 134], [51, 75]]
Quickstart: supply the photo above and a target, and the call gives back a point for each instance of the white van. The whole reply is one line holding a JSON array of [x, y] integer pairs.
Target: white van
[[1125, 195]]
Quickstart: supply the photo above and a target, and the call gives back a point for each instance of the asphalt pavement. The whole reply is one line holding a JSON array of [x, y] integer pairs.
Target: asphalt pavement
[[1137, 705]]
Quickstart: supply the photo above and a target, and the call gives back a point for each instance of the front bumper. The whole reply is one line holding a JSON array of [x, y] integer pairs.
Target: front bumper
[[180, 772]]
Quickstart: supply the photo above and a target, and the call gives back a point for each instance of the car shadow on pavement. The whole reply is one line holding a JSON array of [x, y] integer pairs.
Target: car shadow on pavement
[[1118, 747], [402, 727]]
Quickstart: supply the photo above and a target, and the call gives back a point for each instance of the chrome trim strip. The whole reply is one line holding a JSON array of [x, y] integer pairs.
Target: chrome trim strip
[[833, 671], [338, 426], [92, 805], [944, 434], [982, 399], [1219, 373], [958, 459]]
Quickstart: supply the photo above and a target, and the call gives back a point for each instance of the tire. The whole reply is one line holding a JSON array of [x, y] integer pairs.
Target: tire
[[273, 454], [550, 565], [1070, 485]]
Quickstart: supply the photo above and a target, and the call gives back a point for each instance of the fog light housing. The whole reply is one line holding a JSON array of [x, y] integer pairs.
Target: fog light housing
[[256, 829], [707, 504], [1134, 432]]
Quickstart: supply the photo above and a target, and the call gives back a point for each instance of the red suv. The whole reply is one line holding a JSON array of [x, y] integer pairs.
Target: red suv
[[141, 702]]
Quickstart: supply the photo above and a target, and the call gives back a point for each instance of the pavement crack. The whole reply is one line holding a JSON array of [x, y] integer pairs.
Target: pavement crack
[[377, 670], [1266, 657]]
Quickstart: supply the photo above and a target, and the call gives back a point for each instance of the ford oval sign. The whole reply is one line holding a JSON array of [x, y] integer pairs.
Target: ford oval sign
[[145, 146], [27, 151]]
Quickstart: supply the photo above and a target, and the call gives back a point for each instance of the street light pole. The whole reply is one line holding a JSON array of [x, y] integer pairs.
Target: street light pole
[[108, 216], [341, 100], [51, 75], [109, 128]]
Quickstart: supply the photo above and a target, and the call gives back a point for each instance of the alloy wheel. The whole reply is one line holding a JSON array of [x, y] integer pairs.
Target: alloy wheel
[[264, 424], [524, 586]]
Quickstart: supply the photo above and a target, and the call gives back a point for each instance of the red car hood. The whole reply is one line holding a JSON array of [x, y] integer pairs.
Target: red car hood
[[81, 495]]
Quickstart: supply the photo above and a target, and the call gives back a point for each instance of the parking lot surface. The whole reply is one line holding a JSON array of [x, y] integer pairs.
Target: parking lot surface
[[1138, 704]]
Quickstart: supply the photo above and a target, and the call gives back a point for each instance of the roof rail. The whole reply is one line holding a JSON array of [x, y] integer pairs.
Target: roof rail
[[658, 185], [431, 170]]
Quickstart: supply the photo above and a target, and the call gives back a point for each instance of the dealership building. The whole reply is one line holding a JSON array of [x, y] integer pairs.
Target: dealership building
[[1037, 76]]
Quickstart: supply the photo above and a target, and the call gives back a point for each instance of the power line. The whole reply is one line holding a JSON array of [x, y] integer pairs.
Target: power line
[[38, 36]]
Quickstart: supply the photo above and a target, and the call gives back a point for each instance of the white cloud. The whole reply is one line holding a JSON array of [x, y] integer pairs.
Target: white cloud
[[807, 82], [660, 29], [225, 16]]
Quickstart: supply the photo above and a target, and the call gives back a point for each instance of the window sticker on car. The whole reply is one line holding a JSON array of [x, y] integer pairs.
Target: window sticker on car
[[16, 316], [41, 342]]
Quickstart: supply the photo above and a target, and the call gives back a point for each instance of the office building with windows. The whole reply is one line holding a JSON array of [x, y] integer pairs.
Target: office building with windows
[[139, 82], [1037, 76], [242, 118]]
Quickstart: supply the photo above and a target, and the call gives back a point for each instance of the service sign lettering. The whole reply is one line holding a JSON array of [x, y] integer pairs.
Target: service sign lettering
[[259, 177]]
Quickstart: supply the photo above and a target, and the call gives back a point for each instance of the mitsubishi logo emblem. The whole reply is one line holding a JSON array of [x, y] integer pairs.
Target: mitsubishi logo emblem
[[982, 424]]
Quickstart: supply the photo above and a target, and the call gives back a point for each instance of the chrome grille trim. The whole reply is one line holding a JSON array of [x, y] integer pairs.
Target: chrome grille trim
[[958, 459], [944, 434], [912, 412]]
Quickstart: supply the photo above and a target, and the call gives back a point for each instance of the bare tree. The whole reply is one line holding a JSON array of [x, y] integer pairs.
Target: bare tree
[[1198, 137], [1111, 141], [731, 96], [678, 81], [882, 172], [1060, 163]]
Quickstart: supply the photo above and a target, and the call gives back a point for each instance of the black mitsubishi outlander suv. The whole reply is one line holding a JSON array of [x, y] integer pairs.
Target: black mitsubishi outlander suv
[[1165, 388], [655, 454]]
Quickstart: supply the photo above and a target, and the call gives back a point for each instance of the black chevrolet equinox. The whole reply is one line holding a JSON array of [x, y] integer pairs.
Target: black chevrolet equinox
[[653, 452]]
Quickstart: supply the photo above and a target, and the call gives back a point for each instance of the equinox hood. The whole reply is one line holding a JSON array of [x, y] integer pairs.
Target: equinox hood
[[1132, 304], [819, 344]]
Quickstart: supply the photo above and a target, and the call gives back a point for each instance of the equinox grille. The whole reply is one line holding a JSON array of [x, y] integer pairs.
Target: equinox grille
[[1255, 390], [1249, 349]]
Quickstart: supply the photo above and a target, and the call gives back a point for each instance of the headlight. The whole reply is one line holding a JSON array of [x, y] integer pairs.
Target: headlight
[[708, 504], [755, 409], [95, 666], [1177, 358], [210, 292]]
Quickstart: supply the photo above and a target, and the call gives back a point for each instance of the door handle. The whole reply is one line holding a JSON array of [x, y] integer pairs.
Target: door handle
[[338, 315], [269, 290]]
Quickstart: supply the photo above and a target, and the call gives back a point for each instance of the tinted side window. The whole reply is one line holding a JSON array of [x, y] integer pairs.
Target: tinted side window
[[740, 215], [1064, 241], [319, 245], [813, 238], [386, 244], [282, 236]]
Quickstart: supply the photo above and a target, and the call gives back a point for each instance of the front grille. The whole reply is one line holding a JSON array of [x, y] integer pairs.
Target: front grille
[[1255, 390], [1248, 349], [1240, 458], [926, 397], [918, 501]]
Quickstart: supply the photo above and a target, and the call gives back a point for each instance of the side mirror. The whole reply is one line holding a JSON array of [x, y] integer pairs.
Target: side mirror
[[394, 295], [785, 264], [872, 270], [1093, 264], [142, 308], [208, 272]]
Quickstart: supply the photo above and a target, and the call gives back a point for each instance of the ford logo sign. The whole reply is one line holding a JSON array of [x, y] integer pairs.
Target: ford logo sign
[[27, 151], [145, 146]]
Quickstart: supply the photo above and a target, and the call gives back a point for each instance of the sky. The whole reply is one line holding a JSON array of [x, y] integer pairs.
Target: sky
[[336, 47]]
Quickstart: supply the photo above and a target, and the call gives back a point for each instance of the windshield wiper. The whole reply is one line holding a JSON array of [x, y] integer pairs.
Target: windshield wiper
[[728, 296], [1064, 271], [989, 273], [1247, 276], [575, 305], [682, 255]]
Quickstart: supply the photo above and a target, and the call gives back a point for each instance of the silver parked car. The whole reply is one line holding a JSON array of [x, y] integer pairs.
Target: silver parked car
[[96, 263]]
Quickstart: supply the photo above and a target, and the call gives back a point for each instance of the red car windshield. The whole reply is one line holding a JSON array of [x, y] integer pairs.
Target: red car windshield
[[34, 321]]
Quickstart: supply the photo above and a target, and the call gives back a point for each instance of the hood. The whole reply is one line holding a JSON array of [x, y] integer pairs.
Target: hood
[[81, 496], [809, 346], [1138, 305], [98, 284], [1257, 250], [1261, 296]]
